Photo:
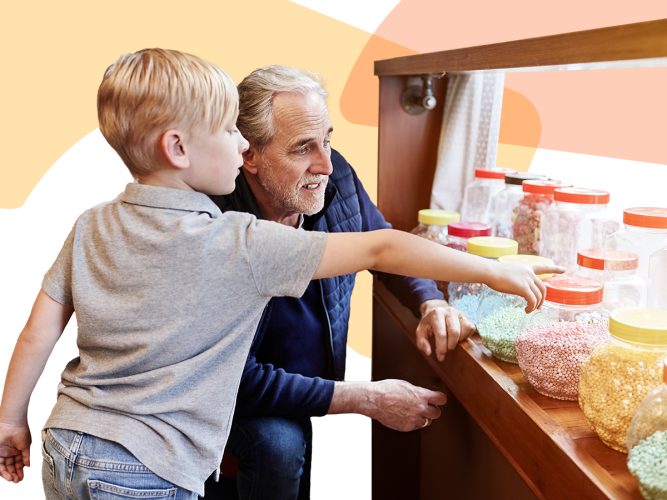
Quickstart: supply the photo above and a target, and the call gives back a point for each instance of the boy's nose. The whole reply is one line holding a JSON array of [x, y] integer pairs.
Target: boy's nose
[[243, 143]]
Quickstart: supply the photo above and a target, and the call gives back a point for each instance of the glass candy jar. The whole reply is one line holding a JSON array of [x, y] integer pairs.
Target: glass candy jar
[[465, 296], [458, 233], [578, 219], [555, 340], [537, 197], [478, 193], [617, 271], [433, 224], [647, 442], [499, 315], [505, 201], [621, 372]]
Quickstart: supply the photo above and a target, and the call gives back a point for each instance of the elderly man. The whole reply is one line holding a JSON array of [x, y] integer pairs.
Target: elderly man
[[296, 366]]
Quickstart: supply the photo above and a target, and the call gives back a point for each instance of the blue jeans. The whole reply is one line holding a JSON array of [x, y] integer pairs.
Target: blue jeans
[[273, 456], [81, 466]]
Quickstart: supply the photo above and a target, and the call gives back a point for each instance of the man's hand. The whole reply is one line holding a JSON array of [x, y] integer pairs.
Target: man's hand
[[14, 451], [444, 324], [396, 404]]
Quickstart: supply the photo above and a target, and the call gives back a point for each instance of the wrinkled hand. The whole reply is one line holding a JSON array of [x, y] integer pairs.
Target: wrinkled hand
[[14, 451], [401, 406], [522, 280], [445, 325]]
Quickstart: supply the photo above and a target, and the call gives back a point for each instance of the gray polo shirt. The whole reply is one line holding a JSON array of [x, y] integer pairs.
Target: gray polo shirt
[[168, 292]]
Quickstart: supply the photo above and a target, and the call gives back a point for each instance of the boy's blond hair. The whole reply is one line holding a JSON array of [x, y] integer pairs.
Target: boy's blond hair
[[144, 94]]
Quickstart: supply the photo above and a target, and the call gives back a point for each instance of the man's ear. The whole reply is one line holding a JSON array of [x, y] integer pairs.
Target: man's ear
[[252, 159], [173, 148]]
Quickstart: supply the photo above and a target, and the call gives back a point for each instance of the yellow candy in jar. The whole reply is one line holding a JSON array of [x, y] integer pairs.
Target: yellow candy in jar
[[622, 371]]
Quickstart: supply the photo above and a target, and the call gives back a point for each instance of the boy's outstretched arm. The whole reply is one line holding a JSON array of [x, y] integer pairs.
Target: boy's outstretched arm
[[46, 323], [397, 252]]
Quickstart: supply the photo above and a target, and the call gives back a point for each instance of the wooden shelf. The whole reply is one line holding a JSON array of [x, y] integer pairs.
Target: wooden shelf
[[617, 43], [547, 441]]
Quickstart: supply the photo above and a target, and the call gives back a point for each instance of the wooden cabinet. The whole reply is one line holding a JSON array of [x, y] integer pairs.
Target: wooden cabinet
[[497, 438]]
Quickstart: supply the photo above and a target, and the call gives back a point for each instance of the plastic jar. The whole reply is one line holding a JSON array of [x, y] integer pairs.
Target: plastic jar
[[505, 201], [555, 340], [478, 193], [465, 296], [617, 271], [577, 220], [645, 233], [647, 442], [499, 315], [458, 233], [537, 197], [433, 224], [621, 372]]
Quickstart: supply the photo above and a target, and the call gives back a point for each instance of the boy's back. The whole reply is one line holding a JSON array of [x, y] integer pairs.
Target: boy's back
[[167, 292]]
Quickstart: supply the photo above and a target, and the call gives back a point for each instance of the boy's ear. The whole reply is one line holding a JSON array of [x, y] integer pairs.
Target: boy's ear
[[251, 159], [173, 148]]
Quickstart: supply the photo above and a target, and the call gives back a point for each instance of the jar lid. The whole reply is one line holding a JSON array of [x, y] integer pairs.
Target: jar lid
[[650, 217], [469, 229], [611, 260], [517, 178], [642, 325], [541, 187], [492, 246], [664, 372], [523, 258], [573, 290], [492, 173], [437, 217], [582, 195]]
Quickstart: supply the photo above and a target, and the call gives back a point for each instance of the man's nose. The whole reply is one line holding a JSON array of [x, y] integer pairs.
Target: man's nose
[[322, 163]]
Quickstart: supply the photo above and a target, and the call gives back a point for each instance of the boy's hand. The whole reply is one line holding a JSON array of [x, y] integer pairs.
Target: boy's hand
[[14, 451], [522, 280]]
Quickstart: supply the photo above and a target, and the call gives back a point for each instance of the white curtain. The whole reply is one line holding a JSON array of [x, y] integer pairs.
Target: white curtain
[[469, 135]]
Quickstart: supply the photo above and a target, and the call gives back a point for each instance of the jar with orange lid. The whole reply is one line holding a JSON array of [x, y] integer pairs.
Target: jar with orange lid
[[555, 340], [645, 233], [505, 201], [617, 271], [537, 197], [577, 219], [465, 296], [621, 372], [499, 315], [647, 442], [432, 224], [458, 233], [478, 193]]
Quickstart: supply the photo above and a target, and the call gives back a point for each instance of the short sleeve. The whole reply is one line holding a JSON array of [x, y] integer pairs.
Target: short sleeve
[[283, 259], [57, 282]]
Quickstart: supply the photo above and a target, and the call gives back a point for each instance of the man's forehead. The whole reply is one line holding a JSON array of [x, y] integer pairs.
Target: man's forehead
[[294, 112]]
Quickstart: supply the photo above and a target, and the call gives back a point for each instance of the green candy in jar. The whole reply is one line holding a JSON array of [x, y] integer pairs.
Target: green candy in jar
[[621, 372]]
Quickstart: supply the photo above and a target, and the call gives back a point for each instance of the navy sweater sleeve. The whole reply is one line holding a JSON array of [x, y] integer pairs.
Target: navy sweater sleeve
[[411, 292]]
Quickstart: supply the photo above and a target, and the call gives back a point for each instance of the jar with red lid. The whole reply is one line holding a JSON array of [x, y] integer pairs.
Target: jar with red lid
[[537, 197], [478, 193], [617, 271], [505, 201], [458, 233], [555, 340], [577, 220], [645, 233]]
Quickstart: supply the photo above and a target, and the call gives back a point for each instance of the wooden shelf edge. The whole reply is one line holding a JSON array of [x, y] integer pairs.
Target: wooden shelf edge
[[515, 423], [644, 40]]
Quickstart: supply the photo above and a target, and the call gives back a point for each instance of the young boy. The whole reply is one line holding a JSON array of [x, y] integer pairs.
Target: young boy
[[139, 412]]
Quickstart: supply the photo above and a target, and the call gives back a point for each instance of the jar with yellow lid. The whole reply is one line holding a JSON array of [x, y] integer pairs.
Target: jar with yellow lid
[[555, 340], [499, 315], [433, 224], [621, 372], [465, 296], [647, 442]]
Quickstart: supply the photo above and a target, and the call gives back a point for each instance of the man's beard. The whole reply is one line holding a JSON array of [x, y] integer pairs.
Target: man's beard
[[295, 199]]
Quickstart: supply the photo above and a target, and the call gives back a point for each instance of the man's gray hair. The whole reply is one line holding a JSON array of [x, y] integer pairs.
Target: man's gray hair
[[256, 93]]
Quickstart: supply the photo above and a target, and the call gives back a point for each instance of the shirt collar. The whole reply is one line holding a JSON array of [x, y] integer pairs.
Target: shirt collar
[[170, 198]]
